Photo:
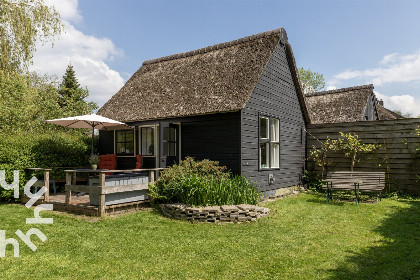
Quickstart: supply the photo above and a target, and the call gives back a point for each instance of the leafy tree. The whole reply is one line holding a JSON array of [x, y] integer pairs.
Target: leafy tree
[[72, 95], [352, 147], [399, 112], [311, 81], [319, 155], [22, 23]]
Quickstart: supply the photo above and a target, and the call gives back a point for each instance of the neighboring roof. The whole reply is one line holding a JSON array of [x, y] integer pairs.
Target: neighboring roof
[[385, 114], [339, 105], [214, 79]]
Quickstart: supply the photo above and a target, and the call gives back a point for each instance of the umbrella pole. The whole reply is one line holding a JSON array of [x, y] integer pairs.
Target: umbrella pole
[[93, 131]]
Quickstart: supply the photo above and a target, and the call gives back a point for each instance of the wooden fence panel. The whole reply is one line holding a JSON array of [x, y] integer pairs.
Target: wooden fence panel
[[396, 157]]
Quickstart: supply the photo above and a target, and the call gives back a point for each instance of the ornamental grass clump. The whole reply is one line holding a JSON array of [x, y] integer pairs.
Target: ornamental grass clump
[[202, 183]]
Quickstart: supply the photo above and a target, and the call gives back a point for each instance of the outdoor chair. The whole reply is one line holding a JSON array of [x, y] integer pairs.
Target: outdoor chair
[[139, 161], [108, 162]]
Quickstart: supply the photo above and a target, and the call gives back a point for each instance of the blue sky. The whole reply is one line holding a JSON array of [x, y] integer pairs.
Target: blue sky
[[350, 42]]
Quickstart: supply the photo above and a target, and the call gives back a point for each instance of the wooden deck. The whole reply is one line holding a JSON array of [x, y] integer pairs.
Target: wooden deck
[[128, 184]]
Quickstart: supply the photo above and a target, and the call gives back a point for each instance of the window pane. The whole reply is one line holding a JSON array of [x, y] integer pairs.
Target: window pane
[[172, 134], [165, 148], [129, 136], [129, 148], [264, 155], [120, 148], [120, 136], [166, 133], [147, 141], [275, 131], [263, 128], [275, 155], [172, 149]]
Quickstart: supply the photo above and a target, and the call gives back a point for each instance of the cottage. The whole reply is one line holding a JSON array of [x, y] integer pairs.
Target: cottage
[[350, 104], [238, 102]]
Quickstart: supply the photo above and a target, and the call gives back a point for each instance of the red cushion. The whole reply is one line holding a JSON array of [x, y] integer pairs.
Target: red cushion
[[108, 161], [139, 161]]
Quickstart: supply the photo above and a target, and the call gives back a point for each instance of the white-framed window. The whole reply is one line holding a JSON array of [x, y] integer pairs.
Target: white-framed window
[[269, 142], [147, 140], [124, 142]]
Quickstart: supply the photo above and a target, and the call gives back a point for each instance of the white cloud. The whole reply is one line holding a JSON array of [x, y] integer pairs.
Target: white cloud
[[331, 87], [68, 9], [395, 68], [404, 103], [87, 54]]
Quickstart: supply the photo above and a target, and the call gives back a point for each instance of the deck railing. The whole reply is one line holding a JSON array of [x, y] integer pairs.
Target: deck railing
[[102, 189]]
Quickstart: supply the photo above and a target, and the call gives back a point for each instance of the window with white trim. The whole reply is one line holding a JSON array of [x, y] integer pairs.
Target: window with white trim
[[125, 142], [269, 141], [147, 141]]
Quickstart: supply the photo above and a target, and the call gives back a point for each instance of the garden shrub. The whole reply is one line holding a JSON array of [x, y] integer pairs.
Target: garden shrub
[[19, 151], [202, 183], [313, 180]]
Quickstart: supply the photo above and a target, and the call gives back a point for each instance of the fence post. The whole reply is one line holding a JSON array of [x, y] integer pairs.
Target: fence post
[[101, 194], [47, 184], [68, 187], [151, 176]]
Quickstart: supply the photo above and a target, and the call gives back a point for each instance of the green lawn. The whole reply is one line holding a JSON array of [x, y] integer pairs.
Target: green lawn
[[304, 238]]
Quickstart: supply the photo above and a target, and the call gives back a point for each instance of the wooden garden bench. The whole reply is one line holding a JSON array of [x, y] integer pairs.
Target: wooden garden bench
[[357, 181]]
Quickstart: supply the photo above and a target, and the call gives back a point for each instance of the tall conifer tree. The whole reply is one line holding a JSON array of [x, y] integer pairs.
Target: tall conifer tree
[[72, 95]]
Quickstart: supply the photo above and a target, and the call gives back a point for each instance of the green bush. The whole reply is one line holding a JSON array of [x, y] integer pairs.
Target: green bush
[[313, 180], [202, 183], [58, 149]]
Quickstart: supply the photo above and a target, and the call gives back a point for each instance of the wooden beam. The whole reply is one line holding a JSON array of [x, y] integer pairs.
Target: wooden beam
[[124, 188], [47, 185], [83, 188], [102, 205], [151, 176], [68, 196], [68, 178]]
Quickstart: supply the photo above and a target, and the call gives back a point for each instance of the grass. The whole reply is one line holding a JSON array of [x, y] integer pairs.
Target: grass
[[303, 238]]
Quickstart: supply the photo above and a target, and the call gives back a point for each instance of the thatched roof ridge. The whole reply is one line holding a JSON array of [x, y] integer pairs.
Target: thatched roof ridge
[[217, 46], [386, 114], [339, 90], [215, 79], [339, 105]]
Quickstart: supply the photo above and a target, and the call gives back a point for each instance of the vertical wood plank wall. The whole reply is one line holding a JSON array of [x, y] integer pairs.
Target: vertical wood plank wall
[[396, 157]]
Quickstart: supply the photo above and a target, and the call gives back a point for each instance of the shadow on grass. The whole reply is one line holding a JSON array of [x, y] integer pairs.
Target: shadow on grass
[[397, 256], [340, 198]]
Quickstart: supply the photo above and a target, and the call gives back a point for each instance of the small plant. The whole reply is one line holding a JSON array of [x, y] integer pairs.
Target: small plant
[[312, 180], [352, 147], [94, 159], [202, 183], [319, 155]]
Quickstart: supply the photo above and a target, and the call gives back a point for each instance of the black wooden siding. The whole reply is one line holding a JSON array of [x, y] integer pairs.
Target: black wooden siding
[[215, 137], [106, 142], [274, 95]]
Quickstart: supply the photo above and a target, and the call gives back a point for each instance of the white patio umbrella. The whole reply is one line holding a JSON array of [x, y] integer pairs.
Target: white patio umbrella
[[91, 121]]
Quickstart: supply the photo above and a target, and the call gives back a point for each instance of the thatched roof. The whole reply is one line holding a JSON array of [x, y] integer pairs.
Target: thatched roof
[[214, 79], [340, 105], [385, 114]]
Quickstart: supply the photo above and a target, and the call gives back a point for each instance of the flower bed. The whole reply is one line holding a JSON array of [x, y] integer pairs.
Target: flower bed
[[215, 214]]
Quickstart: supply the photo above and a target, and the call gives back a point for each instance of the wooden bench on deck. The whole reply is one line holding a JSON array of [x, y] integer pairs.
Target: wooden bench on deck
[[357, 181]]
